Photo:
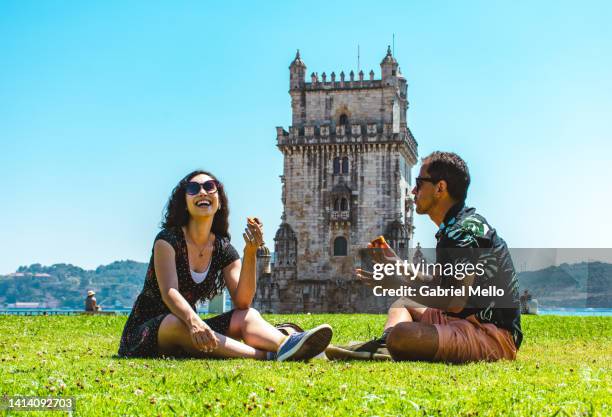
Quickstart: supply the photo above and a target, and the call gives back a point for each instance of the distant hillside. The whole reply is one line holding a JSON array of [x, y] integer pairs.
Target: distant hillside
[[585, 284], [64, 285]]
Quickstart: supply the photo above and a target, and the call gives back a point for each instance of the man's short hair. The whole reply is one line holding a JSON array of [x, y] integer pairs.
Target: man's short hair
[[449, 166]]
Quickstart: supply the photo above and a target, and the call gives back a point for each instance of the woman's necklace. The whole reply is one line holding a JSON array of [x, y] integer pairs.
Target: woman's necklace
[[200, 251]]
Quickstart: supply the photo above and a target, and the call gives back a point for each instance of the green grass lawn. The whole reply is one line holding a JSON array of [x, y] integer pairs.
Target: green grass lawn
[[563, 368]]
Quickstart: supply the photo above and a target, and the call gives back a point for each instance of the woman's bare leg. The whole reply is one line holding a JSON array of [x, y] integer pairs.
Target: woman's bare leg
[[173, 338], [249, 326]]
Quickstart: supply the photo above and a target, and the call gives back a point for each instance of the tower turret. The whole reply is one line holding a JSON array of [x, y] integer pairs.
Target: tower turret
[[297, 72], [263, 261], [389, 68]]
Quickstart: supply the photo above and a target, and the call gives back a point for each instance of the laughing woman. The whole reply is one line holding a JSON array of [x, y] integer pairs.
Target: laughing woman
[[193, 260]]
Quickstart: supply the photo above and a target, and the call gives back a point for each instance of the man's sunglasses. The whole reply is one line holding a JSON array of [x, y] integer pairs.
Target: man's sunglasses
[[421, 180], [210, 186]]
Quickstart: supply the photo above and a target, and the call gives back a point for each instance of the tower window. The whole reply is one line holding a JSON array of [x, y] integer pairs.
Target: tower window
[[345, 165], [343, 204], [341, 165], [340, 246], [343, 120], [337, 204], [336, 165]]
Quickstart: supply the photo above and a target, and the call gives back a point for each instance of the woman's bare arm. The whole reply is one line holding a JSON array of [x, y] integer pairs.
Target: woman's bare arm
[[241, 279], [167, 279]]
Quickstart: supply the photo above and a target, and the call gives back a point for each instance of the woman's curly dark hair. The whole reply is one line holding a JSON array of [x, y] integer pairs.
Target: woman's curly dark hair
[[176, 214]]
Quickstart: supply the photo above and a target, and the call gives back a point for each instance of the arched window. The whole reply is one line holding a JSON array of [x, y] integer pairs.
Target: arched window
[[340, 246], [345, 165], [337, 204], [343, 204], [343, 120], [336, 165]]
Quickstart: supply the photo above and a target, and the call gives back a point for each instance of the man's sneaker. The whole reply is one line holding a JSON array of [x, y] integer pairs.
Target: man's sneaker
[[373, 350], [305, 345]]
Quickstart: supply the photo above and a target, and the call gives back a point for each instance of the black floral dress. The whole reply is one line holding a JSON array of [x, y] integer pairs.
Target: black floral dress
[[139, 338]]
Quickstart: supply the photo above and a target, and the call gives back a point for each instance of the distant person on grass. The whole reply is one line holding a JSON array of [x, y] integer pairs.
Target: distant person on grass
[[193, 260], [454, 334], [91, 303]]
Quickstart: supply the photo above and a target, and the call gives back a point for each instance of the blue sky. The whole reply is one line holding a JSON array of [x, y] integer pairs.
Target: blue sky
[[104, 106]]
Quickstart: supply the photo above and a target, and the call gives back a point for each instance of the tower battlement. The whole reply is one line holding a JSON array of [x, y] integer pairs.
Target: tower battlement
[[325, 83], [356, 134], [390, 75]]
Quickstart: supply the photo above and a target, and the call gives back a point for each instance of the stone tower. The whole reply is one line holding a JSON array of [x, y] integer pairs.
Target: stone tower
[[346, 179]]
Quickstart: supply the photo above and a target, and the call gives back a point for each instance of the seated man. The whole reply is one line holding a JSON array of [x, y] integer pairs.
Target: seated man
[[453, 331]]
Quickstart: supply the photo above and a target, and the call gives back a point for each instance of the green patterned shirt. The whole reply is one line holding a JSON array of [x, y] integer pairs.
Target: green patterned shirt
[[466, 236]]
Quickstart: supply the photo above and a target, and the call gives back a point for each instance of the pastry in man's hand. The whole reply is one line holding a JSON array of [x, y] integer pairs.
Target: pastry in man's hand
[[380, 242]]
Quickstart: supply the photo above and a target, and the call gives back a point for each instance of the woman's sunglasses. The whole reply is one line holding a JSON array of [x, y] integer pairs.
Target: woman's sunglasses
[[210, 186]]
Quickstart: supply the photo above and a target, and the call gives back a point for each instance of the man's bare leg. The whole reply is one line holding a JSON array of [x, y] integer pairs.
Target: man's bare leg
[[402, 310], [413, 341]]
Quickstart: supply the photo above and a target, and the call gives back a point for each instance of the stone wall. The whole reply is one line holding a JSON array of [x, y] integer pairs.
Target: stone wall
[[363, 105]]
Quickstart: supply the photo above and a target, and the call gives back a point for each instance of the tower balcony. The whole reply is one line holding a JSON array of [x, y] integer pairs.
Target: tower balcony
[[354, 134], [343, 216]]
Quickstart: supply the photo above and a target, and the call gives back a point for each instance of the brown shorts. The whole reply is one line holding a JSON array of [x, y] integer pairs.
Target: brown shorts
[[468, 340]]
